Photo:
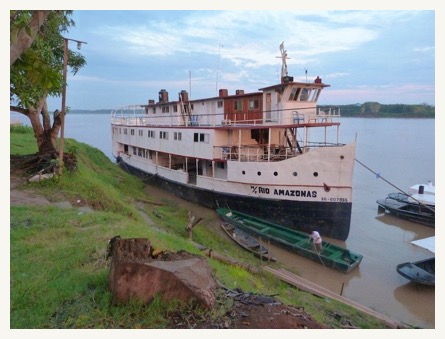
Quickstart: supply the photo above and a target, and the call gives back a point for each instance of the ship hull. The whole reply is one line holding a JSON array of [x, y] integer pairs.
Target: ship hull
[[332, 219]]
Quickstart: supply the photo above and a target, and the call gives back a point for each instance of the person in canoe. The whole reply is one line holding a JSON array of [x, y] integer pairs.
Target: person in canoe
[[316, 241]]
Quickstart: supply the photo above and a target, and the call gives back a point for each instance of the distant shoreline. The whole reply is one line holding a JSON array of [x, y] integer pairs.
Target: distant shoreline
[[344, 113], [365, 110]]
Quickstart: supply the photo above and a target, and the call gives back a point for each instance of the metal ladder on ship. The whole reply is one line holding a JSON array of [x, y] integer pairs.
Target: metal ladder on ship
[[292, 140], [186, 110]]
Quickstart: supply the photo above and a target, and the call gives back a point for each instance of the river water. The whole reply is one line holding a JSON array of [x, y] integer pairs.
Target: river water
[[402, 151]]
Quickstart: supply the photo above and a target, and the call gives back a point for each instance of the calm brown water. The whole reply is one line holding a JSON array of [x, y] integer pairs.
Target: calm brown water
[[403, 152]]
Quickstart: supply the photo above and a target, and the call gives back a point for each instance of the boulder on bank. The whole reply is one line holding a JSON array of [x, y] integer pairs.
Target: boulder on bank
[[138, 272]]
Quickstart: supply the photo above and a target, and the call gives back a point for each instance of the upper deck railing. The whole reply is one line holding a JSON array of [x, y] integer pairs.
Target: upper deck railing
[[259, 153], [136, 116]]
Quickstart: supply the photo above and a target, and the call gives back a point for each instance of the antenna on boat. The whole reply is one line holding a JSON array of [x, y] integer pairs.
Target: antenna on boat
[[190, 83], [305, 72], [217, 68]]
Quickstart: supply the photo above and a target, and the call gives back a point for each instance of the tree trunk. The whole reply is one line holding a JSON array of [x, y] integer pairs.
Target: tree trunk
[[45, 134]]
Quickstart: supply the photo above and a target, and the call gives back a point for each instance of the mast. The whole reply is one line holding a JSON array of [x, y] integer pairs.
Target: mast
[[283, 62]]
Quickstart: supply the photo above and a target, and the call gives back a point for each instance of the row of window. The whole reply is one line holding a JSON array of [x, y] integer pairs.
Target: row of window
[[174, 108], [304, 94], [197, 137], [151, 134], [238, 106], [148, 154], [253, 104], [166, 109], [145, 153]]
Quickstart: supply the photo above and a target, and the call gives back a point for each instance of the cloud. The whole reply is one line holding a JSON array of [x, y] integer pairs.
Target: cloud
[[424, 49], [249, 38], [133, 54]]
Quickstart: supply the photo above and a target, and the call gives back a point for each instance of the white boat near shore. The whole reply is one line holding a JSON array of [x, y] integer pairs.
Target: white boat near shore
[[417, 205], [268, 153]]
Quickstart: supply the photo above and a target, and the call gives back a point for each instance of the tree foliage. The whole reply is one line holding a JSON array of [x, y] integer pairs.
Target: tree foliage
[[37, 72], [377, 110], [24, 31], [37, 51]]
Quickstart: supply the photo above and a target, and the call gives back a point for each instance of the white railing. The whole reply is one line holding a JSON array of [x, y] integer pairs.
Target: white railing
[[136, 115], [256, 153]]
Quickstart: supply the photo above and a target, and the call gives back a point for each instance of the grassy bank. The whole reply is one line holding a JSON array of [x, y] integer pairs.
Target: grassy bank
[[59, 270]]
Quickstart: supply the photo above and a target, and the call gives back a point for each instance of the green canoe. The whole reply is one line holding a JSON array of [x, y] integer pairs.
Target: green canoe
[[332, 256]]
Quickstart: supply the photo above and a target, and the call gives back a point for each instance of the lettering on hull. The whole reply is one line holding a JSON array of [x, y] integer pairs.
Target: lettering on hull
[[283, 192]]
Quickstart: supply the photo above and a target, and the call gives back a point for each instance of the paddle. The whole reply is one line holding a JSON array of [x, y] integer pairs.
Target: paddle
[[319, 257]]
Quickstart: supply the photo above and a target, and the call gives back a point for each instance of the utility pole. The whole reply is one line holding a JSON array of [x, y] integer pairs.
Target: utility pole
[[217, 68], [62, 116]]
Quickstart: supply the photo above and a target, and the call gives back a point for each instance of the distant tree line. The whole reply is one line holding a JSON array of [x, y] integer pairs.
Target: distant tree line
[[87, 111], [365, 110], [377, 110]]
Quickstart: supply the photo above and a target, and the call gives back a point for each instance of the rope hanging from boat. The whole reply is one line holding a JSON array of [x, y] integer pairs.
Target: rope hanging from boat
[[379, 176]]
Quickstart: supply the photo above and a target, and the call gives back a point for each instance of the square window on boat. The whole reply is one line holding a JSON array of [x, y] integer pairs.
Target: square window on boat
[[238, 105], [177, 136], [294, 94], [220, 103], [314, 95], [254, 104], [202, 137], [304, 96]]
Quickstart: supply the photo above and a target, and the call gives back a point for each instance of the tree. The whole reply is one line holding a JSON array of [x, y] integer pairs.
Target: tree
[[370, 108], [37, 49]]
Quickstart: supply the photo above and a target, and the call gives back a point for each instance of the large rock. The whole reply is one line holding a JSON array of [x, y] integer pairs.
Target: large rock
[[134, 273]]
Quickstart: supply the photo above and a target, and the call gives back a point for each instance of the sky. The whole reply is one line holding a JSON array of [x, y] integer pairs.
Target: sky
[[386, 56]]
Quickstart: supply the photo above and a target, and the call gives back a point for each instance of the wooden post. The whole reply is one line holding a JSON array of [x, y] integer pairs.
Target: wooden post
[[193, 221], [189, 227], [261, 252]]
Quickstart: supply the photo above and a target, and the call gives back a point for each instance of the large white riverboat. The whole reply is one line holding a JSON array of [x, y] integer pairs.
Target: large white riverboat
[[272, 153]]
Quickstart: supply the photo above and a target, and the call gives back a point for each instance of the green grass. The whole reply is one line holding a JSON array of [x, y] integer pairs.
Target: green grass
[[58, 266]]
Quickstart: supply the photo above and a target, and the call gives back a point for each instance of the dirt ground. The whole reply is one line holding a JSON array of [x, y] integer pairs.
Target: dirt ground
[[248, 312], [251, 314]]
